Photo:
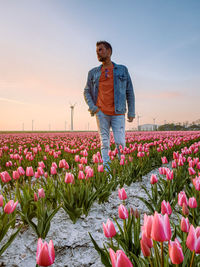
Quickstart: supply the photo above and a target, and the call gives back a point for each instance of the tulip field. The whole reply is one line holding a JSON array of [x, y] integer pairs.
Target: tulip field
[[42, 173]]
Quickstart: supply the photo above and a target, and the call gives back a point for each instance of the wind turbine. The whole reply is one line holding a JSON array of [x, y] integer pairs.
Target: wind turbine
[[72, 115], [154, 122], [138, 120]]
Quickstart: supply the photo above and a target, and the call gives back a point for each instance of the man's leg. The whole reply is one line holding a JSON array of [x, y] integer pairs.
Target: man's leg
[[103, 124], [118, 127]]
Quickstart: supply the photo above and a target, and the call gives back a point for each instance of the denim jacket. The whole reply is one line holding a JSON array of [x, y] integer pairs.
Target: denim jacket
[[123, 90]]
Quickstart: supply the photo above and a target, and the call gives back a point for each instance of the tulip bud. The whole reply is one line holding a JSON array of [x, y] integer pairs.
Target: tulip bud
[[35, 197], [100, 168], [185, 210], [175, 252], [122, 194], [81, 175], [109, 229], [1, 201], [154, 179], [122, 211], [10, 206], [16, 175], [41, 193], [119, 259], [45, 255], [185, 225], [166, 208], [192, 202], [145, 249]]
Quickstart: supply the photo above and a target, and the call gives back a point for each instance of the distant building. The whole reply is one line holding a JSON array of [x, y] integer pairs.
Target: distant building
[[148, 127]]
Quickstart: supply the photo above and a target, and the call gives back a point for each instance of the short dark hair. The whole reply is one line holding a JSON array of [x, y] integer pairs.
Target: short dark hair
[[106, 44]]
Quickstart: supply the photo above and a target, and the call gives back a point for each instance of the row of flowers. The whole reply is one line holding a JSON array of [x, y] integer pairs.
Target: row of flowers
[[60, 178]]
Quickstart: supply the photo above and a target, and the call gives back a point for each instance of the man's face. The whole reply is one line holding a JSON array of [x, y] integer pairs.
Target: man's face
[[102, 53]]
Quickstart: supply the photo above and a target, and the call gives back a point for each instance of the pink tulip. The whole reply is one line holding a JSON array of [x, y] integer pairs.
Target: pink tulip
[[37, 175], [121, 162], [185, 210], [1, 201], [10, 206], [16, 175], [175, 252], [53, 170], [5, 177], [69, 178], [192, 202], [77, 158], [182, 198], [62, 163], [180, 162], [166, 208], [122, 211], [122, 194], [40, 171], [95, 158], [196, 183], [100, 168], [145, 249], [35, 197], [191, 171], [109, 229], [161, 230], [41, 193], [45, 255], [148, 241], [46, 174], [164, 160], [154, 179], [89, 172], [170, 175], [80, 167], [21, 171], [193, 239], [174, 164], [29, 171], [41, 164], [185, 225], [81, 175], [54, 165], [119, 259], [147, 225]]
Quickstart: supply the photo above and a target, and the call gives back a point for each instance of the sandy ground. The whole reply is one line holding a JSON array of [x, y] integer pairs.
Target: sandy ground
[[73, 246]]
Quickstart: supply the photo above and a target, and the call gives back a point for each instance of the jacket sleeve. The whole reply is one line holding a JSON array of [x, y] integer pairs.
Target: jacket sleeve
[[88, 95], [130, 96]]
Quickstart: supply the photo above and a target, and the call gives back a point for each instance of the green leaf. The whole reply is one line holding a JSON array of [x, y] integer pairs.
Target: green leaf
[[10, 240], [104, 256]]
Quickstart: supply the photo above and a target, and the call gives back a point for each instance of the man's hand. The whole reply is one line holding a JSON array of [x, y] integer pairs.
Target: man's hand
[[130, 119]]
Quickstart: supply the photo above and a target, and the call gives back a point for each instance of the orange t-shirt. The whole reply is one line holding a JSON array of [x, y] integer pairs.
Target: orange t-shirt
[[105, 100]]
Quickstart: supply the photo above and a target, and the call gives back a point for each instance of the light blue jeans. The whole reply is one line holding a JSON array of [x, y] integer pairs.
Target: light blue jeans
[[104, 123]]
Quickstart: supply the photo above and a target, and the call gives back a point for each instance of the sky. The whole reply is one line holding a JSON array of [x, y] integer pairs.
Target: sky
[[47, 48]]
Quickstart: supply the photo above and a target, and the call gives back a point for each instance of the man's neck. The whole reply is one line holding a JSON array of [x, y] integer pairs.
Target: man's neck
[[107, 63]]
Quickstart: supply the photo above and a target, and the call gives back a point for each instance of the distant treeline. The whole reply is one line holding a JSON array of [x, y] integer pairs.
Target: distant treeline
[[178, 127]]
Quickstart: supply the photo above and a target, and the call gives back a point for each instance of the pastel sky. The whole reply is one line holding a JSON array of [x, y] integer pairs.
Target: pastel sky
[[47, 48]]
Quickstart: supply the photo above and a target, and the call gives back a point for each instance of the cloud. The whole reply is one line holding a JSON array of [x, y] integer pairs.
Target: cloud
[[12, 101]]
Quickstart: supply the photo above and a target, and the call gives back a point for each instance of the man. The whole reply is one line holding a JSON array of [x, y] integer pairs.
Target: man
[[108, 88]]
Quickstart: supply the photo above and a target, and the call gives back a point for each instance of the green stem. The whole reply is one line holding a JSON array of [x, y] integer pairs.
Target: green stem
[[162, 254], [111, 240], [193, 216], [192, 260], [151, 264], [157, 256], [168, 190]]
